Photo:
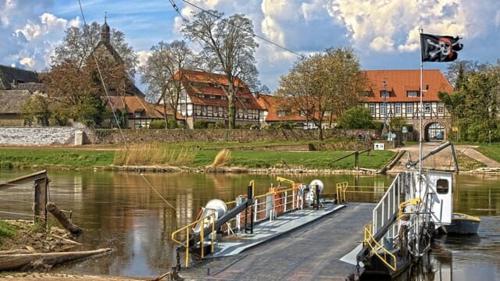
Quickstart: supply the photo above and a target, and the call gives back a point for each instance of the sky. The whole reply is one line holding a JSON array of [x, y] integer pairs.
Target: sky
[[383, 33]]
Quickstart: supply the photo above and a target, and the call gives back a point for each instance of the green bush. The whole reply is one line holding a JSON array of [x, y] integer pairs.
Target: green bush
[[157, 124], [356, 118], [220, 125], [200, 124], [172, 124]]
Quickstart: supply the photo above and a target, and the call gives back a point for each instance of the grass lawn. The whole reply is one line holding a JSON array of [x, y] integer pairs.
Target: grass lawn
[[309, 159], [490, 150], [66, 157], [192, 154], [6, 230]]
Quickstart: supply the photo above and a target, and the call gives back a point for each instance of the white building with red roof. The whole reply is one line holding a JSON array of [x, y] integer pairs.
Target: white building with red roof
[[203, 99], [396, 93]]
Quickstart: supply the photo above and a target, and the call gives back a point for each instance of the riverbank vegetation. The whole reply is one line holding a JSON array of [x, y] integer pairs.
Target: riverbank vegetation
[[6, 231], [491, 150]]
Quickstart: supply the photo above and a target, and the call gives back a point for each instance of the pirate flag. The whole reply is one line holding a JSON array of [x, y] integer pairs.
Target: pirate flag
[[439, 48]]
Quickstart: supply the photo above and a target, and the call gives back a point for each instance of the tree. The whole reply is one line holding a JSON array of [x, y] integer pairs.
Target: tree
[[474, 103], [76, 86], [165, 61], [356, 118], [36, 108], [323, 84], [79, 43], [228, 46]]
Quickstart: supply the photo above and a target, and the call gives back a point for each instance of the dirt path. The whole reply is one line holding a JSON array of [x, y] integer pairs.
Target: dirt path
[[442, 160]]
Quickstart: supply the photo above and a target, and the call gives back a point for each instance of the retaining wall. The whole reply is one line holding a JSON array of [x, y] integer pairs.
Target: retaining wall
[[37, 135]]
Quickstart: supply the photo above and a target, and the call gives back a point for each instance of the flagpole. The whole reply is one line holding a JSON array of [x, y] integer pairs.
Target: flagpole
[[421, 133]]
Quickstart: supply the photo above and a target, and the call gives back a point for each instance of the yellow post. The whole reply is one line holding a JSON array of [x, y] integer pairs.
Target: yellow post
[[202, 234], [187, 246], [213, 236]]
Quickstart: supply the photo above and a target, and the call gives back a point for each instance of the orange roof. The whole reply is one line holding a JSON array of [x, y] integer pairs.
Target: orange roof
[[204, 88], [136, 104], [273, 104], [398, 82], [205, 77]]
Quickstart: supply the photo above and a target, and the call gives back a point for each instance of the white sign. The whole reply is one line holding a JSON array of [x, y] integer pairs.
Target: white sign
[[378, 146], [404, 130]]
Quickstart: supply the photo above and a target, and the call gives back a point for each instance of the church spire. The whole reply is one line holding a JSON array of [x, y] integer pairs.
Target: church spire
[[105, 30]]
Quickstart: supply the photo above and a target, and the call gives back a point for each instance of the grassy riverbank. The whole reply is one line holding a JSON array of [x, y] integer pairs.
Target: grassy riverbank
[[490, 150], [194, 155]]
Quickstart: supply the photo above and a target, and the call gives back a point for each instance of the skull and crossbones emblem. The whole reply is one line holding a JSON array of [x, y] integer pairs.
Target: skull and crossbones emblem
[[443, 48]]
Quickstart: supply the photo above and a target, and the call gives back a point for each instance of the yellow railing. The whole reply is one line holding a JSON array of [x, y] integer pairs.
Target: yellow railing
[[376, 248], [341, 191], [189, 228], [410, 202]]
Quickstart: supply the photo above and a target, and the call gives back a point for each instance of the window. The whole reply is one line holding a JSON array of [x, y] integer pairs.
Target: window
[[281, 113], [204, 111], [397, 108], [365, 94], [385, 94], [383, 109], [409, 108], [442, 186], [412, 94], [138, 114], [372, 109], [221, 111], [440, 108], [427, 108], [210, 111]]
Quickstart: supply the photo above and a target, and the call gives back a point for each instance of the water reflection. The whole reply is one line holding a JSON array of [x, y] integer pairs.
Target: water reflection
[[121, 211]]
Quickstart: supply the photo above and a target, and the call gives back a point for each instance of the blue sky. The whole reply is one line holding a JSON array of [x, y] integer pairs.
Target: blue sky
[[384, 34]]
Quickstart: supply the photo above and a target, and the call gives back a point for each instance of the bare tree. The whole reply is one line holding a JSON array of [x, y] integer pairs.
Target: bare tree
[[322, 84], [165, 61], [228, 47], [79, 43]]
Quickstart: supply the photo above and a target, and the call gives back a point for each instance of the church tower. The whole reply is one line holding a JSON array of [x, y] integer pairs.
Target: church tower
[[105, 32]]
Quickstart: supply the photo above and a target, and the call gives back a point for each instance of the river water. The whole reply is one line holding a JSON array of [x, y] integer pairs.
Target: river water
[[123, 211]]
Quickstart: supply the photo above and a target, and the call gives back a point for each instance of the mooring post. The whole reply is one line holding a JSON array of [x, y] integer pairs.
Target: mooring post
[[40, 200], [356, 159], [250, 209]]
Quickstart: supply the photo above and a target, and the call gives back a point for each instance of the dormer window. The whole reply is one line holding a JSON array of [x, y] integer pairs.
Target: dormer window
[[281, 113], [412, 94], [365, 94], [384, 94]]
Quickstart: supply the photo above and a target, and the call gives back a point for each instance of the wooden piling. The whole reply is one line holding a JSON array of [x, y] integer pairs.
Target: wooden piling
[[61, 217]]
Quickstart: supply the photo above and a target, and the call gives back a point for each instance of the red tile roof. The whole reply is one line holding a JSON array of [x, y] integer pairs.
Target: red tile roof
[[273, 104], [136, 104], [400, 81], [201, 86]]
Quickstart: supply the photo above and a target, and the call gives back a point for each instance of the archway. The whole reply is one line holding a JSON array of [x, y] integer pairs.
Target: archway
[[434, 132]]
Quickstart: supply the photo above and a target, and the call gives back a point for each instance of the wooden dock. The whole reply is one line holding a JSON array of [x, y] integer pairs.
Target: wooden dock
[[311, 252]]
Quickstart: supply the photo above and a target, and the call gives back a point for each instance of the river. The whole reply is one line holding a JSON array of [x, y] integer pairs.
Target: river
[[123, 211]]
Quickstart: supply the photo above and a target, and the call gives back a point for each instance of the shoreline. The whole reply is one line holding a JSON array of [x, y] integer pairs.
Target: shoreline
[[242, 170]]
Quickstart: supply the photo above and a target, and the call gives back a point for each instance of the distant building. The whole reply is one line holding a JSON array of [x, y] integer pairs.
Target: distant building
[[104, 47], [276, 111], [134, 112], [396, 93], [16, 87], [203, 99]]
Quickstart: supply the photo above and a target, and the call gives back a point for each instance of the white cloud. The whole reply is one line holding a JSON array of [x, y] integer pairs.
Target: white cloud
[[142, 57], [27, 62], [394, 25]]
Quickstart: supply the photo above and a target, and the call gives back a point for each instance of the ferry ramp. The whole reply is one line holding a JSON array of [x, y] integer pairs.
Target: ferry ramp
[[311, 252]]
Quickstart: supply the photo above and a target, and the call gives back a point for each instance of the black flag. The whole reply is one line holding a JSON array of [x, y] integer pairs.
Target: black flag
[[439, 48]]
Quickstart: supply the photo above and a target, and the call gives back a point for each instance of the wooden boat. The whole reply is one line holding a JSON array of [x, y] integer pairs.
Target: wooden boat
[[463, 224]]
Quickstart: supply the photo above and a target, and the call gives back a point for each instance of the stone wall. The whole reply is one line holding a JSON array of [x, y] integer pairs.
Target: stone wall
[[239, 135], [37, 135]]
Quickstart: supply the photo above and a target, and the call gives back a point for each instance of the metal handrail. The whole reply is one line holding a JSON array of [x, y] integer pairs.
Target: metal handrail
[[188, 228], [375, 248]]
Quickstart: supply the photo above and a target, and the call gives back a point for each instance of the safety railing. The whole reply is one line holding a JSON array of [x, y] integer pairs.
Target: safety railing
[[341, 189], [385, 256], [388, 206], [206, 221]]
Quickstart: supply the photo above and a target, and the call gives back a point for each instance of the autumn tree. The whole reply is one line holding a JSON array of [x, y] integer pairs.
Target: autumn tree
[[323, 84], [158, 73], [36, 108], [228, 47], [85, 69]]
